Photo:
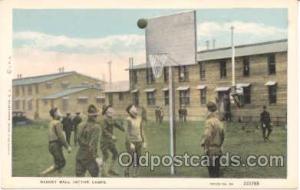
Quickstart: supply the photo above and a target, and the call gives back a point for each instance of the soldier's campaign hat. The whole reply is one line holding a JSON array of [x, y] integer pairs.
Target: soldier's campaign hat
[[105, 108], [211, 106], [92, 110], [52, 111], [128, 108]]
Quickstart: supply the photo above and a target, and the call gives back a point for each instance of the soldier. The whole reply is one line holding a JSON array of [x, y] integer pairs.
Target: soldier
[[213, 139], [157, 114], [134, 138], [76, 121], [180, 114], [266, 125], [88, 138], [57, 140], [144, 114], [184, 114], [108, 140], [161, 114], [67, 126]]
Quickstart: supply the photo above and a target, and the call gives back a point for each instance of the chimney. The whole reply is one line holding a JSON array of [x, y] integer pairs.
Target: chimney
[[214, 43], [207, 44], [19, 76]]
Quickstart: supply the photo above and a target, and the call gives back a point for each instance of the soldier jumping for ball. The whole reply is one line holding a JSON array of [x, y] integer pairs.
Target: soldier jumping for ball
[[88, 139], [57, 140], [135, 139], [108, 140]]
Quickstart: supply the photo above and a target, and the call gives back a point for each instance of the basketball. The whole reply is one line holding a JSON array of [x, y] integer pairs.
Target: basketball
[[142, 23]]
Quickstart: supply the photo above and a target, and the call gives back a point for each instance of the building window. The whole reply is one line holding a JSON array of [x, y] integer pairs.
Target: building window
[[166, 93], [17, 88], [29, 105], [29, 90], [23, 90], [246, 67], [247, 95], [65, 85], [149, 76], [134, 77], [272, 94], [100, 100], [121, 96], [203, 96], [24, 105], [49, 85], [183, 74], [65, 104], [110, 99], [82, 100], [45, 102], [184, 97], [202, 70], [135, 98], [17, 104], [151, 98], [166, 74], [271, 64], [85, 83], [36, 87], [223, 70]]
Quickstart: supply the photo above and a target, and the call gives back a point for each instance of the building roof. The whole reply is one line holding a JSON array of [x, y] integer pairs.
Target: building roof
[[240, 50], [121, 86], [67, 92], [243, 50], [43, 78]]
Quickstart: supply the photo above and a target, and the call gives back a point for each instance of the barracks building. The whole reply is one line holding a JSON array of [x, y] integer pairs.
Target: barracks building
[[261, 76], [69, 91]]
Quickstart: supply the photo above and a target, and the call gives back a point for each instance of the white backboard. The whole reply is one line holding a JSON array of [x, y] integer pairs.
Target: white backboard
[[175, 35]]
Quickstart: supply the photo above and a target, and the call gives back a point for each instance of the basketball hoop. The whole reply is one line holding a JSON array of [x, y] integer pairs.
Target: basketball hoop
[[157, 62]]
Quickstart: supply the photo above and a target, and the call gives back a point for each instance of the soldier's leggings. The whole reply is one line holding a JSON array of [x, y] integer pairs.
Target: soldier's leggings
[[109, 146], [214, 167], [89, 165], [55, 148]]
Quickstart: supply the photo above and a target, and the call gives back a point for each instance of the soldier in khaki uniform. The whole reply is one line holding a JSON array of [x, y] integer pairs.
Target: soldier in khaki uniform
[[213, 139], [108, 140], [88, 138], [135, 139], [57, 140]]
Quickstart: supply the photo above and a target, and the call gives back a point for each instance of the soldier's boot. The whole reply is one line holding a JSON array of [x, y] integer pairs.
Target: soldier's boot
[[135, 171], [47, 171], [126, 172], [104, 172], [111, 168]]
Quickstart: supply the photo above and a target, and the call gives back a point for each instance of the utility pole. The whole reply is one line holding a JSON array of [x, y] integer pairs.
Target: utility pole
[[109, 72], [232, 56]]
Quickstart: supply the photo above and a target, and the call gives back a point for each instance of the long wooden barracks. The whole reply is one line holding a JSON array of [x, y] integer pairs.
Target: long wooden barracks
[[261, 75], [69, 91]]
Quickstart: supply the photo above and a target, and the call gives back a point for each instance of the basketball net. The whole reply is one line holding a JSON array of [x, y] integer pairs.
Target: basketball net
[[157, 62]]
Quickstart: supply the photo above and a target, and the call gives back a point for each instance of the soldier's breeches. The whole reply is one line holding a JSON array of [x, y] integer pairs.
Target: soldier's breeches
[[87, 165], [136, 153], [55, 148], [107, 147]]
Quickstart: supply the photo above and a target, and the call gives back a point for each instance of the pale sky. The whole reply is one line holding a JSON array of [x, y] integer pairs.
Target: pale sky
[[85, 40]]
